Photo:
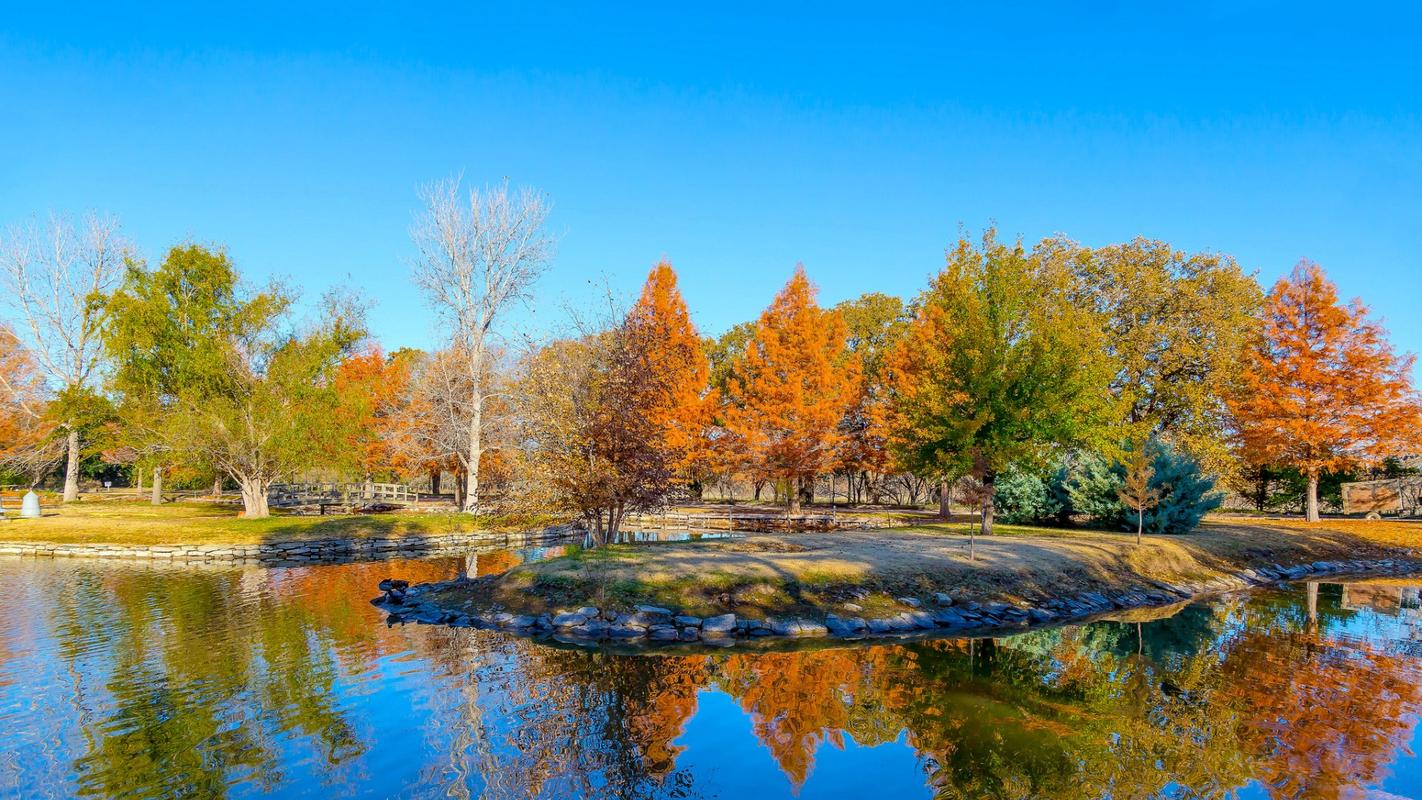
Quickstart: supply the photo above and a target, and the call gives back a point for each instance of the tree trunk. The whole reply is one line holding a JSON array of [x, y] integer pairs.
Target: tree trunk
[[1140, 523], [157, 497], [137, 481], [254, 497], [476, 442], [945, 498], [71, 468], [989, 506], [757, 487], [1311, 511], [792, 495], [217, 488], [459, 487], [435, 475]]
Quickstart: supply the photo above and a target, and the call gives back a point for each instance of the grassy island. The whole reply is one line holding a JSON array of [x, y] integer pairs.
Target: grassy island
[[812, 574]]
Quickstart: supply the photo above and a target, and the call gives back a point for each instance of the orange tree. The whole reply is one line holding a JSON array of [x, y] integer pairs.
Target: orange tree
[[997, 367], [678, 402], [1323, 390], [370, 388], [791, 389]]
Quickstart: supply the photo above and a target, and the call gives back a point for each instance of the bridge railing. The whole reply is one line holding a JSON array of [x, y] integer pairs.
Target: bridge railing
[[298, 494]]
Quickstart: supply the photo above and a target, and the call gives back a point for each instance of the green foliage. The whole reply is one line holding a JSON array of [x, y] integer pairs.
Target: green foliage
[[1186, 495], [1023, 498], [998, 366]]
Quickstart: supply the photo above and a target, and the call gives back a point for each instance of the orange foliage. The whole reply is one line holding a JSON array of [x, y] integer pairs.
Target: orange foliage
[[792, 389], [679, 403], [22, 420], [1323, 389], [370, 388]]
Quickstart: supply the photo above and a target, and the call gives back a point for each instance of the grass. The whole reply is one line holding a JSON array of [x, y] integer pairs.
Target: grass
[[135, 522], [777, 574]]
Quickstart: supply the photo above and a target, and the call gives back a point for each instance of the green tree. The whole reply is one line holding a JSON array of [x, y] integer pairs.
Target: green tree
[[211, 374], [997, 367], [1177, 327]]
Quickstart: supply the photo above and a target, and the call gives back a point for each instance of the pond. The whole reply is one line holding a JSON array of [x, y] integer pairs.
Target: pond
[[140, 680]]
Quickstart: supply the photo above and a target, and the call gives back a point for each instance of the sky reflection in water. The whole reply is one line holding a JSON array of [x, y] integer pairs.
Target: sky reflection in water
[[139, 680]]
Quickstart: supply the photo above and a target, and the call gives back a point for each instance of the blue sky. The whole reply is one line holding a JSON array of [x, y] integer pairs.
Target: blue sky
[[856, 139]]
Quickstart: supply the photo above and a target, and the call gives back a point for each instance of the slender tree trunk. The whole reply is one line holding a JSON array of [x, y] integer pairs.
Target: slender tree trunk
[[757, 486], [434, 481], [254, 497], [71, 468], [217, 488], [792, 495], [945, 508], [137, 481], [1311, 510], [1140, 523], [471, 476], [157, 497]]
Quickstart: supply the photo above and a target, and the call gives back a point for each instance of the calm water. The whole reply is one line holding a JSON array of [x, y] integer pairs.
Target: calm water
[[131, 680]]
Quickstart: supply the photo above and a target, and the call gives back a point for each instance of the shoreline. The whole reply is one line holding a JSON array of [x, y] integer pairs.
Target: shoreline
[[650, 628], [872, 584], [297, 551]]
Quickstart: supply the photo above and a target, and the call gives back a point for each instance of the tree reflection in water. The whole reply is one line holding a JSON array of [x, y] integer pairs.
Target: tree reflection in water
[[145, 681]]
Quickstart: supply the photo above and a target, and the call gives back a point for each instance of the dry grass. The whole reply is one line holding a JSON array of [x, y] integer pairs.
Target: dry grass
[[775, 573], [136, 522]]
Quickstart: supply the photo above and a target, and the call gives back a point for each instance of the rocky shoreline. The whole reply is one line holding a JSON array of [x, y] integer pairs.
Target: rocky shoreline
[[301, 551], [941, 613]]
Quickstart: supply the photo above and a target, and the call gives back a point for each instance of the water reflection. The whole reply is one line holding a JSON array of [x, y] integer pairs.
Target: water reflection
[[129, 680]]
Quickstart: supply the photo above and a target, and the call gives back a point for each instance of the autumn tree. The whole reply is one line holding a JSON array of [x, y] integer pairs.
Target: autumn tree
[[997, 367], [370, 388], [678, 403], [1136, 490], [1322, 389], [791, 389], [27, 446], [873, 322], [1177, 325], [56, 277], [479, 256]]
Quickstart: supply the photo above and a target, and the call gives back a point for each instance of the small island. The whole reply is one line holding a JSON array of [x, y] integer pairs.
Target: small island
[[910, 581]]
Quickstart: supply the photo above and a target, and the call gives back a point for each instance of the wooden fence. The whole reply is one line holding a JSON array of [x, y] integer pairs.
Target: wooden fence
[[282, 495]]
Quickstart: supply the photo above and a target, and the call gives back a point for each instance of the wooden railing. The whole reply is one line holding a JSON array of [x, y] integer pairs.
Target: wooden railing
[[302, 494]]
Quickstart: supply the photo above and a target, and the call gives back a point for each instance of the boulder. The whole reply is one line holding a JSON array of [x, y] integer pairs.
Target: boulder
[[911, 602], [725, 624], [590, 612], [879, 626], [662, 633], [687, 621], [942, 599], [569, 620]]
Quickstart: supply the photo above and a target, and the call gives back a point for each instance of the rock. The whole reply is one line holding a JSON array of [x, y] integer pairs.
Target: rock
[[524, 621], [617, 631], [760, 632], [879, 626], [392, 583], [569, 620], [1040, 615], [593, 629], [590, 612], [942, 599], [653, 611], [922, 620], [662, 633], [784, 627], [949, 618], [689, 634], [724, 624], [502, 619], [855, 607], [687, 622], [911, 602], [840, 626], [900, 623], [812, 628]]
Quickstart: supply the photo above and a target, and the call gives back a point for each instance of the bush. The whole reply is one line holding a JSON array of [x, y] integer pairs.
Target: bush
[[1022, 498], [1186, 495]]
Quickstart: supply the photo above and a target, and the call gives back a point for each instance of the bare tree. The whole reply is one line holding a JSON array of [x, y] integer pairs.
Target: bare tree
[[479, 254], [56, 277]]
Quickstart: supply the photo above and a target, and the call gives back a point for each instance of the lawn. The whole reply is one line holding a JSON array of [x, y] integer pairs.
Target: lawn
[[136, 522]]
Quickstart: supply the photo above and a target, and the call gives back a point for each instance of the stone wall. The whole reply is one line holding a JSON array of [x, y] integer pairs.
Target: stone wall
[[302, 551], [1390, 496]]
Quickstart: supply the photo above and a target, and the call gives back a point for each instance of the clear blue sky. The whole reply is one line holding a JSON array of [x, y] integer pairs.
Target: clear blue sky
[[857, 139]]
